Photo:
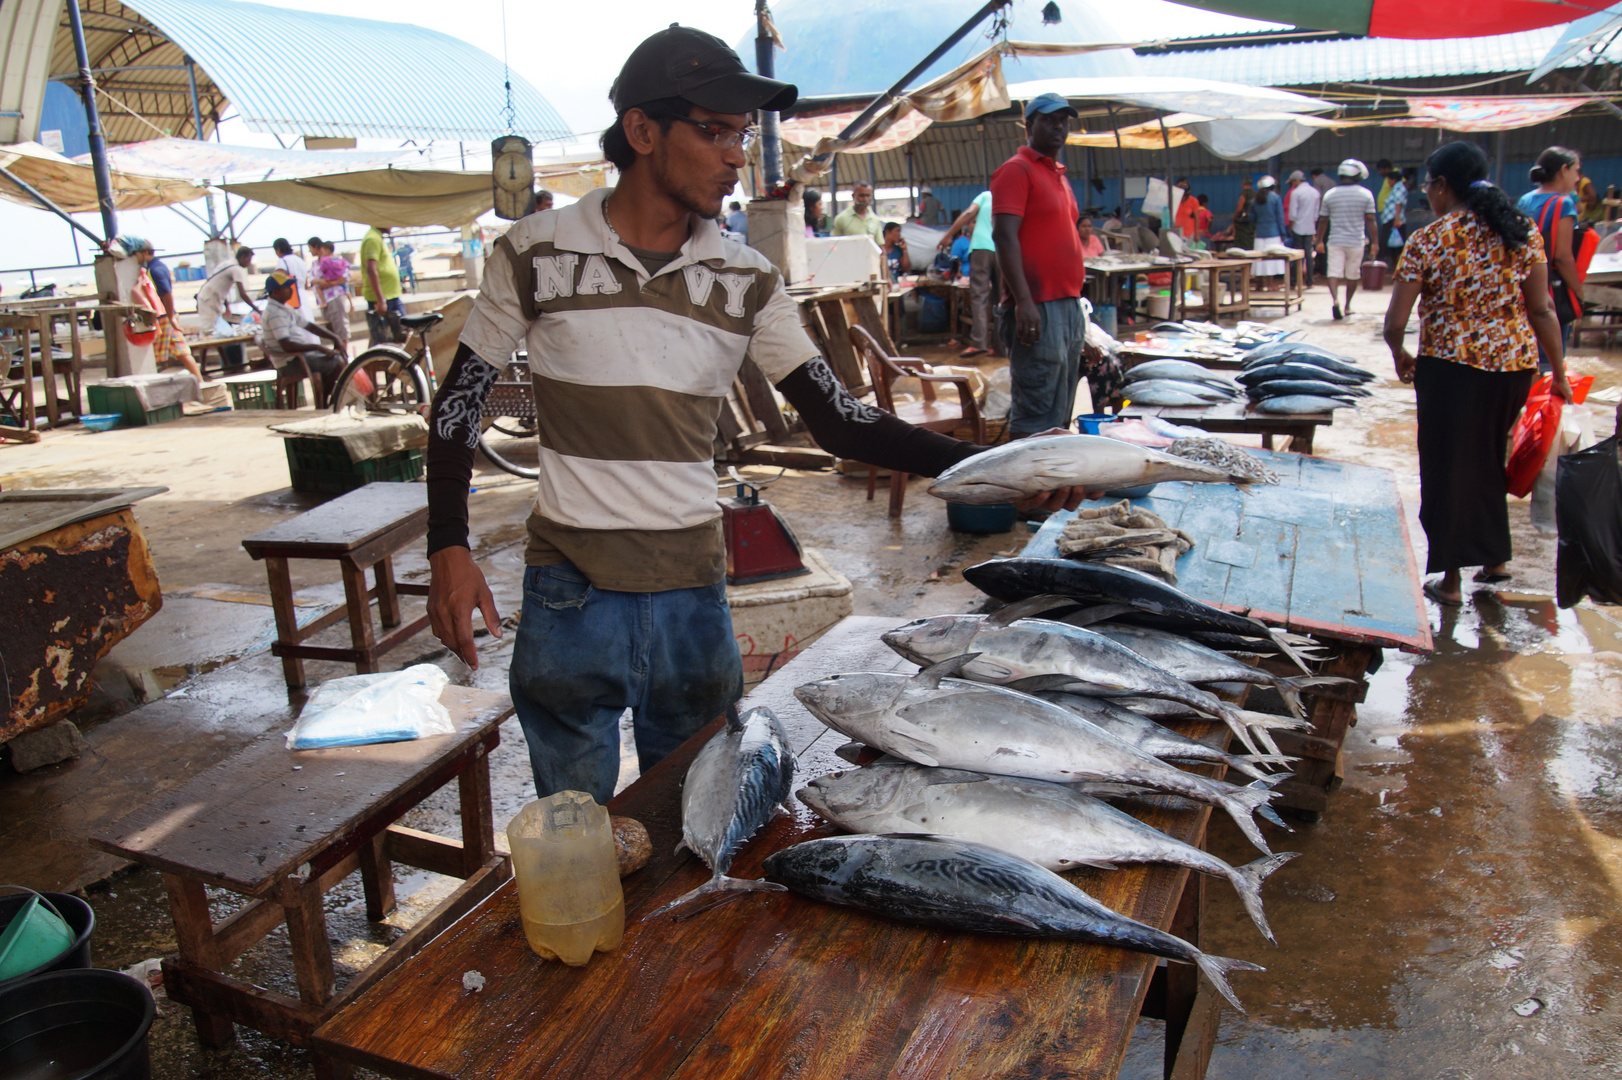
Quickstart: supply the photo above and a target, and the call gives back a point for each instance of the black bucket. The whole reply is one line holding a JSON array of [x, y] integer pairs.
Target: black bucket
[[76, 1025], [75, 912]]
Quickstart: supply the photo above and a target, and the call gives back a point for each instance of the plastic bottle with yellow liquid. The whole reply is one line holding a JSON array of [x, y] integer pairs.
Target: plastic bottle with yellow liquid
[[568, 881]]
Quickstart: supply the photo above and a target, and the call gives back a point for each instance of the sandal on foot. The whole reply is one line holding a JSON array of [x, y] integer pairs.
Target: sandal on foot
[[972, 352], [1334, 311], [1491, 579], [1433, 591]]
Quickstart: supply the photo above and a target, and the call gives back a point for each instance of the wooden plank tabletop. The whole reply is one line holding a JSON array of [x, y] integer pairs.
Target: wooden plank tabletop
[[1234, 416], [260, 814], [1325, 552], [347, 522], [770, 985]]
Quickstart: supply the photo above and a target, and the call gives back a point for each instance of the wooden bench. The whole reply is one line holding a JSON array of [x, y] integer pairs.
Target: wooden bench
[[362, 530], [283, 827]]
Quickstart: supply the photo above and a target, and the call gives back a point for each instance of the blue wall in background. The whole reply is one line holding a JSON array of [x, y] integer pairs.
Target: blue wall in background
[[63, 110]]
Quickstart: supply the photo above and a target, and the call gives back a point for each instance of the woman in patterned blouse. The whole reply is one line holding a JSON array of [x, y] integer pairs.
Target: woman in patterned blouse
[[1482, 282]]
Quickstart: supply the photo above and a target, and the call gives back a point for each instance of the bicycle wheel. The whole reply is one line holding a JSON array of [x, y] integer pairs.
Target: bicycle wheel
[[398, 384], [507, 434]]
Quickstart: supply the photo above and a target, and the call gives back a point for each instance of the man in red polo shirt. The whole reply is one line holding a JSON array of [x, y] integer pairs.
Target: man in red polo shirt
[[1033, 224]]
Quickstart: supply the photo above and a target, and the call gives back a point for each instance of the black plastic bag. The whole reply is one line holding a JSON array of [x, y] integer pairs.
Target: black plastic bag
[[1588, 511]]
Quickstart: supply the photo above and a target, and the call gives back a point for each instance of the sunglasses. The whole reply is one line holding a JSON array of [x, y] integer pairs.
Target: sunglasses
[[725, 137]]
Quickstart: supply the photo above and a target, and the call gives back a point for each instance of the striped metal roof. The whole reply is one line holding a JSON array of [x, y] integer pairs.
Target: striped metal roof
[[1357, 60], [375, 79]]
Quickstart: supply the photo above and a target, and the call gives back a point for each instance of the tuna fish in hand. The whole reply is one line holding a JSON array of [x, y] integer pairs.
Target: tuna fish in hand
[[1027, 467]]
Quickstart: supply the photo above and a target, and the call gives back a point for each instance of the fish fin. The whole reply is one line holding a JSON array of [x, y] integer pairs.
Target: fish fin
[[1288, 648], [932, 675], [1095, 864], [1241, 803], [1261, 721], [1229, 715], [1025, 609], [1033, 684], [1105, 789], [722, 888], [852, 752], [1018, 920], [1248, 765], [1216, 969], [1098, 614], [734, 721], [681, 845]]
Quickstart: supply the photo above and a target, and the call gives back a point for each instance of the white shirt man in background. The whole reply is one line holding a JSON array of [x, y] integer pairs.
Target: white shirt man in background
[[1304, 201]]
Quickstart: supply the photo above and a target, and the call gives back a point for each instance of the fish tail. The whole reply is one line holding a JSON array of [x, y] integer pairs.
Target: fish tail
[[1287, 647], [1216, 969], [1248, 765], [1247, 881], [1290, 687], [1236, 723], [1242, 804], [721, 887], [1269, 722]]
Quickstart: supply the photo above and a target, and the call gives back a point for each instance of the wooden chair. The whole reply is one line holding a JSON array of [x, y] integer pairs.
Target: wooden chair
[[931, 413], [288, 377]]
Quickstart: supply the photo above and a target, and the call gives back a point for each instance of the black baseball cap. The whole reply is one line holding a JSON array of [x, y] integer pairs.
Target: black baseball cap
[[680, 62]]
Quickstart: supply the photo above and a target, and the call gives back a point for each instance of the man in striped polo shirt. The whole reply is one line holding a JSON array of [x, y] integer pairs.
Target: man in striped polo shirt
[[636, 314]]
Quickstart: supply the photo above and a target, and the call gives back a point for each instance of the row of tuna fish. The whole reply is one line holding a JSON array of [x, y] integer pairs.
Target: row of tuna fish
[[1286, 377], [997, 756]]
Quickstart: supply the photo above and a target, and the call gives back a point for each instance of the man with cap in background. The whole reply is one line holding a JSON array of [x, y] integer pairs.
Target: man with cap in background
[[636, 313], [930, 210], [1346, 230], [289, 332], [1034, 225], [1301, 206]]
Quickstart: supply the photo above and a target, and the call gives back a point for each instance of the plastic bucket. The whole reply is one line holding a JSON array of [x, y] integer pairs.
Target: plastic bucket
[[81, 922], [1089, 423], [76, 1025], [1104, 315], [997, 518], [1374, 276]]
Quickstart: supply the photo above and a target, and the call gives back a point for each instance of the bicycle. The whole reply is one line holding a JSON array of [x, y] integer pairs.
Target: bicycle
[[402, 381]]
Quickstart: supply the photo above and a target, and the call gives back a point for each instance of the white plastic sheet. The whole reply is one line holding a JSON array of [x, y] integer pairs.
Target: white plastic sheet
[[391, 706]]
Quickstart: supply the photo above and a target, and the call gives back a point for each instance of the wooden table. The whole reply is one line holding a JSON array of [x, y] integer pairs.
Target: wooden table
[[283, 827], [1238, 418], [772, 985], [1226, 275], [362, 530], [1105, 278], [1295, 283], [1324, 553], [955, 294], [201, 345]]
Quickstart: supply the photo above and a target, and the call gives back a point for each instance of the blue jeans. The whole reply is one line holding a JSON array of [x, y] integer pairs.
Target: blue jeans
[[584, 655], [1044, 374]]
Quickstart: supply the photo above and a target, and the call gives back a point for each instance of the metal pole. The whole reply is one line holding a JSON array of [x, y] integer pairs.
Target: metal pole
[[1120, 160], [873, 182], [833, 190], [1165, 149], [912, 202], [771, 144], [901, 84], [197, 124], [985, 159], [98, 145]]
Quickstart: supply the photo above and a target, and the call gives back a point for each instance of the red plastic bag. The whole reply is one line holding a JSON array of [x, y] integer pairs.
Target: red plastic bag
[[1535, 432]]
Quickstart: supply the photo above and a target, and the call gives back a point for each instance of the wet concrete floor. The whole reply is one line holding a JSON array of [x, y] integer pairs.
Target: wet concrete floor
[[1454, 914]]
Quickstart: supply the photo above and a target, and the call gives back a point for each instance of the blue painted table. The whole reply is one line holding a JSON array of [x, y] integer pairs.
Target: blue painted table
[[1325, 552]]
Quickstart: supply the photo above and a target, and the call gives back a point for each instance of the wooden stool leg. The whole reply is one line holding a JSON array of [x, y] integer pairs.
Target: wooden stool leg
[[377, 876], [898, 491], [281, 602], [388, 601], [360, 616], [478, 830], [312, 958], [1267, 440], [1187, 1038], [194, 935]]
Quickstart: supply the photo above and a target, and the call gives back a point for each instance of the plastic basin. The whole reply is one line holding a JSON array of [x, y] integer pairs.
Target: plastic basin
[[101, 421], [1089, 423], [997, 518], [76, 1025], [81, 922]]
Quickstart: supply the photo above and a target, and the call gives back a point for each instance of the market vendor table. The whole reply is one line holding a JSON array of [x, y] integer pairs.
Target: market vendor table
[[1293, 291], [954, 293], [1326, 553], [362, 530], [201, 345], [283, 827], [1230, 277], [772, 985], [1238, 418], [1105, 278]]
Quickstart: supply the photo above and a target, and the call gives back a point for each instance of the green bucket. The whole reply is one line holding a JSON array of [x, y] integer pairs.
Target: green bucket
[[36, 935]]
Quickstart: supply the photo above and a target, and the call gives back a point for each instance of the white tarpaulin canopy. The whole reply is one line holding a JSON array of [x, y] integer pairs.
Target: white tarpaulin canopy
[[71, 185], [1207, 97], [188, 159]]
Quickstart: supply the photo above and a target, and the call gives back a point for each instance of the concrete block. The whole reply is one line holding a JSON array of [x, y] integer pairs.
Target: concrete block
[[48, 745]]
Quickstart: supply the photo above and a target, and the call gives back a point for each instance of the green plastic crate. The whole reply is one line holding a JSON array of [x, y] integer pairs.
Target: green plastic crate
[[261, 394], [127, 403], [321, 465]]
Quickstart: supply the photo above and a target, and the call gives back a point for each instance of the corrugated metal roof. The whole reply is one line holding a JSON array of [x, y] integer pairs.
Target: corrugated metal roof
[[1360, 60], [292, 73]]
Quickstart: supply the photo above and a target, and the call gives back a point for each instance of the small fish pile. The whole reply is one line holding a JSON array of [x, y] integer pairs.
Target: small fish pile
[[1027, 466], [1122, 535], [741, 777], [1290, 377], [1222, 454]]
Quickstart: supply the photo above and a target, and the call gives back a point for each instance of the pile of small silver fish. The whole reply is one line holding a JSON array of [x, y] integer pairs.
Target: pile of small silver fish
[[1222, 454]]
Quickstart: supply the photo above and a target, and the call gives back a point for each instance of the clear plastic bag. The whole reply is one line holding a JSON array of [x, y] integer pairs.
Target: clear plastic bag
[[391, 706]]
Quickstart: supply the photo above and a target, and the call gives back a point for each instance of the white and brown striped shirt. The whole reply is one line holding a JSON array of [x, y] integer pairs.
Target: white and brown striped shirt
[[630, 374]]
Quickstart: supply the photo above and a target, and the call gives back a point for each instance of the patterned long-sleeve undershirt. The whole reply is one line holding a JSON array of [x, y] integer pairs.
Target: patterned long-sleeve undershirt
[[839, 423]]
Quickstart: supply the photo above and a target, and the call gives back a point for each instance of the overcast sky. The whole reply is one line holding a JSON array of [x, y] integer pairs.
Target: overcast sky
[[570, 51]]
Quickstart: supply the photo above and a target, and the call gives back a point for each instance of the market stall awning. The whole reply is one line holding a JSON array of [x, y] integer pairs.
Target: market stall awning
[[1216, 100], [188, 159], [1592, 33], [1408, 18], [1134, 137], [1484, 114], [408, 197], [71, 185]]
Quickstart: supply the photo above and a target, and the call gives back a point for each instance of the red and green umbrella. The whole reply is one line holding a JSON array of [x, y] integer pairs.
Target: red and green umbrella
[[1410, 18]]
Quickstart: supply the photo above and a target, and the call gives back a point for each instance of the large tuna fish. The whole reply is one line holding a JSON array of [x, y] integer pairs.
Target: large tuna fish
[[737, 781], [1183, 370], [1052, 825], [1028, 466], [962, 886], [931, 720], [1303, 404]]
